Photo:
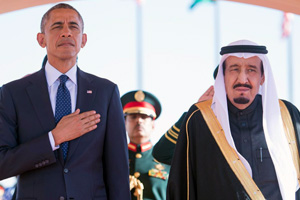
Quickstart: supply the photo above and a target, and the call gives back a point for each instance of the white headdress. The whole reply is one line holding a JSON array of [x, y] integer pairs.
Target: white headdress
[[272, 122]]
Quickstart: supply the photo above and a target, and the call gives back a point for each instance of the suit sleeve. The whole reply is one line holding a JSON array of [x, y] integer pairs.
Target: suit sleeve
[[116, 164], [15, 157], [163, 150]]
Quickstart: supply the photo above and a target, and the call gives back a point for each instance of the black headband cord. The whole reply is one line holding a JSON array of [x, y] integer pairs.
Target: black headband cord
[[243, 49]]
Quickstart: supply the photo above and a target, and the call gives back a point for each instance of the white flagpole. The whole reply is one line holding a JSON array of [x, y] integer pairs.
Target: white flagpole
[[217, 32], [290, 66], [287, 34], [139, 44]]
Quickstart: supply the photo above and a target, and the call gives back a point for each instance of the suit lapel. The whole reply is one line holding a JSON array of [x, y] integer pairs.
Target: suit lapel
[[85, 97], [39, 96]]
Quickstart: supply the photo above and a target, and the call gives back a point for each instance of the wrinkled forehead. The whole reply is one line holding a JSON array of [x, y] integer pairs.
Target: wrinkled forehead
[[239, 61], [63, 14]]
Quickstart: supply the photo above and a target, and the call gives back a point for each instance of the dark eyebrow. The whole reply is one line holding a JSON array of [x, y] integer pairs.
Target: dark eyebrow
[[60, 23], [74, 23], [56, 23], [234, 65], [253, 66]]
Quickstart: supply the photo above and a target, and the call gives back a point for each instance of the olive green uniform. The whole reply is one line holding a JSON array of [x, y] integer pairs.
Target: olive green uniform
[[153, 174]]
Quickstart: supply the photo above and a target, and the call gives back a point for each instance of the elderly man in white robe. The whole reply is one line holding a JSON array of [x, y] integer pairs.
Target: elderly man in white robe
[[244, 143]]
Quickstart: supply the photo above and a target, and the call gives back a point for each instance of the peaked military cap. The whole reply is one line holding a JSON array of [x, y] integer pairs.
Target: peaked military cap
[[139, 101]]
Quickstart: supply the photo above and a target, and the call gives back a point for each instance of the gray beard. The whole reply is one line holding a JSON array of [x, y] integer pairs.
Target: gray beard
[[241, 100]]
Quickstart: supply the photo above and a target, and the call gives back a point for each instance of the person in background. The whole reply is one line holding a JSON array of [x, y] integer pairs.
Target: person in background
[[141, 109], [242, 144], [51, 136]]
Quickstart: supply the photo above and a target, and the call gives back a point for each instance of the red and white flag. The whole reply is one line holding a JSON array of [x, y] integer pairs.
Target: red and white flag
[[287, 24], [139, 2]]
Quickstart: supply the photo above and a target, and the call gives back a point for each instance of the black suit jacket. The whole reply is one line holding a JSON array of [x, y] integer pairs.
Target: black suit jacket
[[97, 163]]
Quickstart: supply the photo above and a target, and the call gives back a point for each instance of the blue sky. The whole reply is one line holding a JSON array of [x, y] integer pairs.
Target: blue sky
[[179, 50]]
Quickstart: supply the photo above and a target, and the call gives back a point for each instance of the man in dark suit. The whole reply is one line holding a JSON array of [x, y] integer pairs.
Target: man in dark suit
[[57, 155]]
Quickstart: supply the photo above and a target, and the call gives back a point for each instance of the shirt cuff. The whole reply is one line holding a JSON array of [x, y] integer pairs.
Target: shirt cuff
[[52, 142]]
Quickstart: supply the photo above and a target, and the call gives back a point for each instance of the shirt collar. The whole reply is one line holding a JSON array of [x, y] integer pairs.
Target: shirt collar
[[247, 110], [52, 74], [140, 147]]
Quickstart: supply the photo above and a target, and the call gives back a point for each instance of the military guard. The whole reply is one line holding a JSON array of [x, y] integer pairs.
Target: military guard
[[141, 109]]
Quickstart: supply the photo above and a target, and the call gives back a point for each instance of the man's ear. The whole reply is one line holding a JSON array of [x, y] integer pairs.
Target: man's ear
[[84, 40], [41, 39]]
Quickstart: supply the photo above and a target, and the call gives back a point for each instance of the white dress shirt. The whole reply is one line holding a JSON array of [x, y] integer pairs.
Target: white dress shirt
[[52, 77]]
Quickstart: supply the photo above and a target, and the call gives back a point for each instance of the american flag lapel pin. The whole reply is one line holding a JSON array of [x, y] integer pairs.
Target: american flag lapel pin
[[89, 91]]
